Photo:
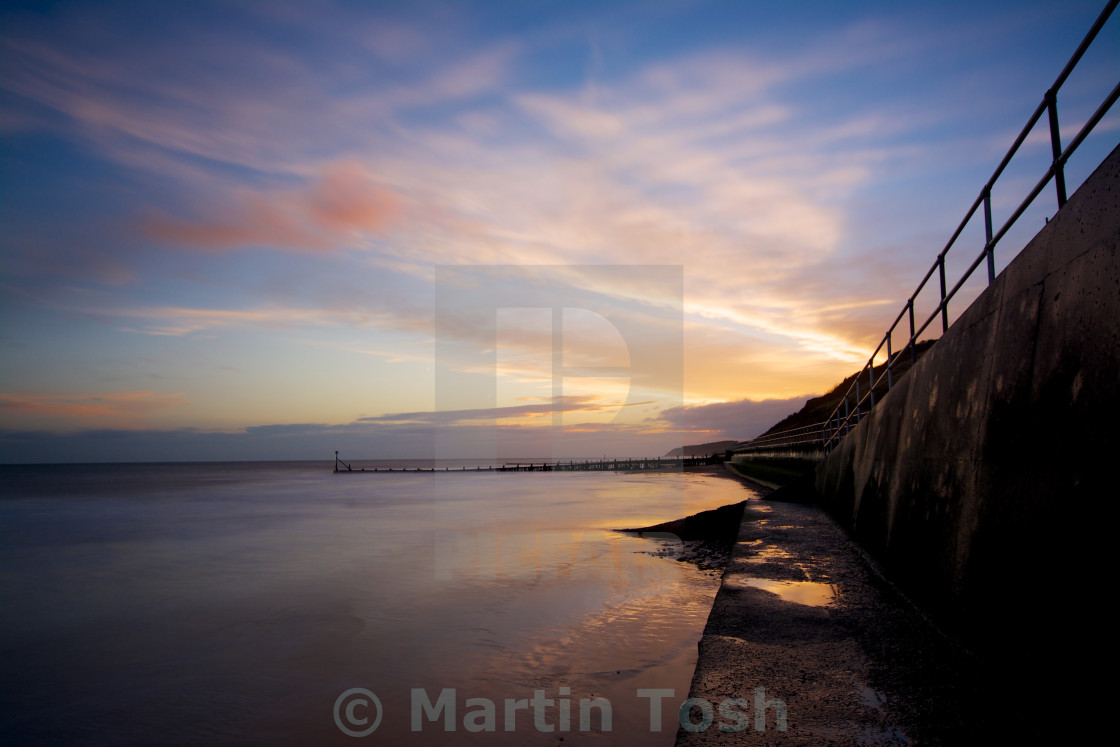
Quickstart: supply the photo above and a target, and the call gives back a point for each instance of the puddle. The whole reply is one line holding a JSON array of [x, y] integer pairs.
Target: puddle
[[811, 593], [768, 554]]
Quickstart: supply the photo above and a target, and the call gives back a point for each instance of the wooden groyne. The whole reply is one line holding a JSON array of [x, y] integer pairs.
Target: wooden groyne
[[648, 464], [655, 464]]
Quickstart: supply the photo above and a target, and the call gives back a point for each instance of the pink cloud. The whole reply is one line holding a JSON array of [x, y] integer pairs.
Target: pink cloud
[[344, 200]]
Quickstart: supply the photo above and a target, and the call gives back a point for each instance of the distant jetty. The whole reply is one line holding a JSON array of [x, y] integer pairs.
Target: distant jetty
[[652, 464]]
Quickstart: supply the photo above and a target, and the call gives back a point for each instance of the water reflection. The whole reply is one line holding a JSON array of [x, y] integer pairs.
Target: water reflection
[[233, 606], [810, 593]]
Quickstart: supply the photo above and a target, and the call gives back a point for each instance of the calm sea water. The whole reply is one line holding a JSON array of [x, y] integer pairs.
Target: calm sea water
[[234, 603]]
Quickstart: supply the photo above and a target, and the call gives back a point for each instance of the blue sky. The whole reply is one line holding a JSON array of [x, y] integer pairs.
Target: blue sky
[[222, 222]]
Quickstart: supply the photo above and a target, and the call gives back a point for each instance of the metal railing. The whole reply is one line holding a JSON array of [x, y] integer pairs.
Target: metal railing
[[849, 412], [806, 435]]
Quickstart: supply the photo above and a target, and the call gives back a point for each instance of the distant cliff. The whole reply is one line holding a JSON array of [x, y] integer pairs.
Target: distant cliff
[[818, 409], [714, 447]]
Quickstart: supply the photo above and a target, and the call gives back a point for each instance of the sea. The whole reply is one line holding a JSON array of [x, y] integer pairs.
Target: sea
[[281, 603]]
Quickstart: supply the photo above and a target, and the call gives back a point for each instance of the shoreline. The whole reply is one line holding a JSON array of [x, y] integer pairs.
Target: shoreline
[[707, 538], [824, 630], [726, 471], [802, 614]]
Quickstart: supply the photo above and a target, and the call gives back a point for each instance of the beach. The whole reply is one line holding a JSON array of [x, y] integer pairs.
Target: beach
[[235, 603]]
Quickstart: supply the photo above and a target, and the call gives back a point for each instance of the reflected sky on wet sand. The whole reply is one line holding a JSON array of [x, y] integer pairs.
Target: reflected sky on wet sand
[[237, 607]]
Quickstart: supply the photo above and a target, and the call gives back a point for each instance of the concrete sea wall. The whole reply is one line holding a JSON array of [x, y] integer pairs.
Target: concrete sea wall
[[978, 478]]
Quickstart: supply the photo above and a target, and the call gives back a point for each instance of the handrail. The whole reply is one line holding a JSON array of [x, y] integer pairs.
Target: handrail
[[839, 424], [806, 434]]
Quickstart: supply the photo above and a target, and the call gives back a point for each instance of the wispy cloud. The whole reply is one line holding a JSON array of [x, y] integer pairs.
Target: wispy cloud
[[190, 94], [699, 160], [522, 413], [177, 321], [105, 408], [217, 170]]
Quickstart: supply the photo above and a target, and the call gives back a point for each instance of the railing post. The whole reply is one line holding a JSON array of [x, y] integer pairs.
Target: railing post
[[913, 354], [988, 234], [859, 407], [944, 306], [890, 378], [847, 417], [871, 382], [1056, 146]]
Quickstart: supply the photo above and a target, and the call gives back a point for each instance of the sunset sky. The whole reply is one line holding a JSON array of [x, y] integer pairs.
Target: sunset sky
[[227, 228]]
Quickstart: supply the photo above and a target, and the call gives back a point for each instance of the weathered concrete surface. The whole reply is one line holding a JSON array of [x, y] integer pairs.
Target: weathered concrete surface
[[952, 482], [864, 669], [978, 482]]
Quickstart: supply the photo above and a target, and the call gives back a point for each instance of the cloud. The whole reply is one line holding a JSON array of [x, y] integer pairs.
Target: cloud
[[740, 420], [411, 143], [356, 441], [178, 321], [523, 430], [345, 200], [547, 407], [701, 161], [175, 92], [116, 408], [363, 312]]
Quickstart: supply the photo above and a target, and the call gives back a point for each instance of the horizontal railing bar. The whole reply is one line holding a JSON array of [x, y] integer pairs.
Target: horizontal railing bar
[[843, 422], [778, 437], [798, 428], [967, 274], [1023, 134], [1092, 122], [1081, 49], [956, 234], [1098, 115], [1026, 203], [918, 332], [783, 435], [897, 319]]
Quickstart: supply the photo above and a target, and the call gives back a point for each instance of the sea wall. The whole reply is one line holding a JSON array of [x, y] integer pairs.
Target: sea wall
[[976, 480]]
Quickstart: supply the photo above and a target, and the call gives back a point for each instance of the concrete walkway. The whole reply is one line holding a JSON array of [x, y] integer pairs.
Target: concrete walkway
[[803, 615]]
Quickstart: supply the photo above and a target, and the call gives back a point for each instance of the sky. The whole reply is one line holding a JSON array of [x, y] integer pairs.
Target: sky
[[272, 230]]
